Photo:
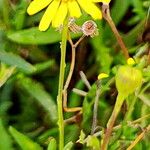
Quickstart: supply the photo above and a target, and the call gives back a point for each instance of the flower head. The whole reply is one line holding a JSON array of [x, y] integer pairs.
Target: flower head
[[128, 78], [103, 1], [57, 10]]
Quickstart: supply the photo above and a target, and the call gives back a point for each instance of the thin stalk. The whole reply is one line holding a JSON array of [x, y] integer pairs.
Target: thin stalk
[[110, 124], [61, 83], [107, 17], [85, 80], [148, 59], [95, 110], [139, 138], [73, 49], [71, 68]]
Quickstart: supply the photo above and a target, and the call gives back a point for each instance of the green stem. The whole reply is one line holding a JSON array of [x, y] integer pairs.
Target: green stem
[[112, 119], [61, 84], [131, 108], [5, 11]]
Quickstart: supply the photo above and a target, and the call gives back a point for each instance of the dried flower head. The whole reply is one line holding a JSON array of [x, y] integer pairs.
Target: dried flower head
[[73, 26], [89, 28]]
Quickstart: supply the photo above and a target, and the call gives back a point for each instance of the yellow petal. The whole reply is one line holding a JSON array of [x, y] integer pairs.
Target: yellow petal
[[130, 61], [37, 5], [60, 15], [74, 9], [103, 1], [102, 75], [90, 8], [49, 15]]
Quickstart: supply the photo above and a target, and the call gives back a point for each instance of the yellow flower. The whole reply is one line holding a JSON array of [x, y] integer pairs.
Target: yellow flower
[[57, 10], [103, 1], [130, 61], [102, 75]]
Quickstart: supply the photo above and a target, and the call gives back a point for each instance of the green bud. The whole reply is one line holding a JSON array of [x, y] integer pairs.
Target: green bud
[[128, 79]]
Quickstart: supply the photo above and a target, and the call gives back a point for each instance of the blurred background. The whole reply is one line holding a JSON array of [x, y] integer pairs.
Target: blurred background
[[29, 72]]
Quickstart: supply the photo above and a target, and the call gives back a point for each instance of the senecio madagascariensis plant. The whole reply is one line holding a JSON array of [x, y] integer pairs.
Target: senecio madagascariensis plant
[[57, 10]]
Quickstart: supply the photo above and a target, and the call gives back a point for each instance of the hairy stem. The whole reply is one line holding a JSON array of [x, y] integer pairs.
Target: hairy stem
[[61, 83], [112, 119]]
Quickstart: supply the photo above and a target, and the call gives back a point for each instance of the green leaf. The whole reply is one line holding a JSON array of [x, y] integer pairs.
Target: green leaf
[[5, 140], [16, 61], [34, 36], [20, 14], [68, 146], [122, 6], [81, 137], [52, 144], [36, 90], [43, 66], [5, 73], [131, 37], [92, 141], [88, 105], [24, 142]]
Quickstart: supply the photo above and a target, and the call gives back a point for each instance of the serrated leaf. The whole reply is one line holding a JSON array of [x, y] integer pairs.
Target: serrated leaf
[[24, 142], [16, 61], [5, 140], [36, 90]]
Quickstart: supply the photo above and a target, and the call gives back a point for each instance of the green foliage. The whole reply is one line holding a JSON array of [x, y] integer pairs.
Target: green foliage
[[36, 90], [29, 72], [16, 61], [52, 144], [68, 146], [24, 142], [6, 141], [34, 36], [93, 142]]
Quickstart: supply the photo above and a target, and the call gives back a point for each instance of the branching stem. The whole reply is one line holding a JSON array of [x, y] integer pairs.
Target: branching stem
[[73, 48]]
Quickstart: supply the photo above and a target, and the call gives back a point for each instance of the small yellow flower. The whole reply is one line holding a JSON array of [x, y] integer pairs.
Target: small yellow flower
[[57, 10], [102, 75], [130, 62]]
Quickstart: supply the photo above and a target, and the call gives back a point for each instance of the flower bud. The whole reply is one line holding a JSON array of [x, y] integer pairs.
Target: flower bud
[[128, 79]]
